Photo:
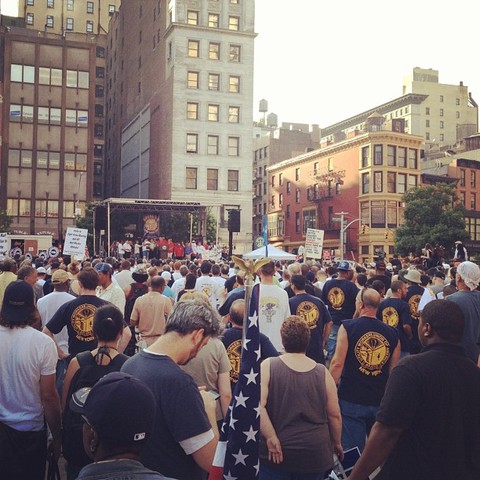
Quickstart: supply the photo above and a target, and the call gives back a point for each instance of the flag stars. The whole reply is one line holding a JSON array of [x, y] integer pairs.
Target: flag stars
[[251, 377], [240, 457], [229, 476], [232, 423], [253, 320], [241, 400], [258, 353], [258, 410], [250, 434]]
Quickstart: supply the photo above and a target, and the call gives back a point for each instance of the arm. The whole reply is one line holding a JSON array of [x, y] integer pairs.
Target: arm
[[380, 444], [51, 408], [225, 391], [326, 333], [61, 354], [338, 360], [73, 367], [395, 357], [275, 453], [124, 339], [334, 415]]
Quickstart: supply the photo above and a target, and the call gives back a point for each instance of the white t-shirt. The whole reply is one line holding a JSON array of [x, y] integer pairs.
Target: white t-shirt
[[274, 309], [210, 287], [47, 307], [25, 355], [177, 286]]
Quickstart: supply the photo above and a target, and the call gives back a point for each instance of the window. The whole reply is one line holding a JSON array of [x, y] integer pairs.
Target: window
[[280, 178], [297, 195], [99, 51], [99, 91], [212, 179], [273, 180], [441, 112], [111, 8], [21, 113], [378, 214], [233, 114], [191, 178], [235, 2], [233, 176], [401, 182], [214, 51], [391, 155], [192, 80], [234, 84], [192, 17], [50, 3], [280, 199], [457, 114], [31, 2], [213, 81], [48, 160], [365, 183], [412, 158], [233, 23], [412, 181], [76, 79], [427, 123], [441, 98], [89, 26], [90, 7], [309, 220], [427, 135], [192, 111], [30, 19], [69, 26], [377, 182], [457, 101], [378, 155], [70, 5], [234, 53], [287, 213], [289, 186], [22, 73], [473, 202], [98, 110], [472, 179], [402, 157], [365, 156], [391, 182], [192, 143], [212, 145], [442, 125], [462, 178], [49, 76], [233, 146], [193, 48], [297, 174], [213, 20], [442, 137], [297, 222], [75, 161], [213, 113], [272, 202], [427, 110], [18, 207], [50, 21]]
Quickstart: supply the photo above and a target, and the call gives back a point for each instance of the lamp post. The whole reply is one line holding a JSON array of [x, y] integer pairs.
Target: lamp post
[[343, 229]]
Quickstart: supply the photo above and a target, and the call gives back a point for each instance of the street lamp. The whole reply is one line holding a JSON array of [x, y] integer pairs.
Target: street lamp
[[343, 229]]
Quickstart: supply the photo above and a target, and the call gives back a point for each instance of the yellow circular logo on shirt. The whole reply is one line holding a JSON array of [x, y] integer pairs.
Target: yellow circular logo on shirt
[[372, 352], [390, 316], [82, 322], [336, 297], [309, 312], [413, 303], [234, 353]]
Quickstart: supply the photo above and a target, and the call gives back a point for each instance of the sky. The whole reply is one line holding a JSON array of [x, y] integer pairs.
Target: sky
[[321, 61]]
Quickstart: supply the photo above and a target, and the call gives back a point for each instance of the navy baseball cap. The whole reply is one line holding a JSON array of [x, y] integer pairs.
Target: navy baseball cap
[[343, 266], [104, 408], [104, 267]]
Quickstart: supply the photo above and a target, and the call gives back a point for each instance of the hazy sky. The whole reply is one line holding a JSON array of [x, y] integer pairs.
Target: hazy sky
[[320, 61]]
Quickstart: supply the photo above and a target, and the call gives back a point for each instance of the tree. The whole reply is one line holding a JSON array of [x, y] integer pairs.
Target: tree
[[432, 215], [5, 221]]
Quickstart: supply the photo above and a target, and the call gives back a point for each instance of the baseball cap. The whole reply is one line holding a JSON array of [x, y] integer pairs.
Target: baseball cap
[[343, 266], [18, 301], [166, 275], [103, 267], [60, 276], [103, 408], [41, 270], [413, 276]]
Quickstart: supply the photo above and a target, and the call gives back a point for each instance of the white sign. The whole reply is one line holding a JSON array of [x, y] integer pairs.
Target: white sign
[[3, 244], [314, 243], [75, 241]]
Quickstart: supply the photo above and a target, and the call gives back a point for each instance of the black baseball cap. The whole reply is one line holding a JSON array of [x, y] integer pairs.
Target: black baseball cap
[[18, 301], [104, 408]]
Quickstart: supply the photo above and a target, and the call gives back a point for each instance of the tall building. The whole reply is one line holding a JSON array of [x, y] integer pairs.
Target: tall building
[[179, 105], [51, 157], [440, 113]]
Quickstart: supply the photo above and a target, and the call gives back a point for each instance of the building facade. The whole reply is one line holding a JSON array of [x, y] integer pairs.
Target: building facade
[[364, 176], [179, 105]]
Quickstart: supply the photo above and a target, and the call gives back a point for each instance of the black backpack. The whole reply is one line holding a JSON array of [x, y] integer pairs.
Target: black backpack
[[137, 290], [86, 376]]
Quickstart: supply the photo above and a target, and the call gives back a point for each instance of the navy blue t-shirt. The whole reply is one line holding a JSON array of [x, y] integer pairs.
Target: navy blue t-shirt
[[339, 296], [395, 312]]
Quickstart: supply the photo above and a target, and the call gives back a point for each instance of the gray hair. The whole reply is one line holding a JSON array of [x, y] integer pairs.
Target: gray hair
[[190, 315]]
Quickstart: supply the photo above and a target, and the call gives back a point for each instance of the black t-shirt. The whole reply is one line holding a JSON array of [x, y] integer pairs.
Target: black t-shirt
[[77, 315], [414, 295], [316, 314], [230, 283], [232, 339], [385, 279], [371, 344], [339, 296], [395, 312], [225, 308], [309, 288], [435, 397]]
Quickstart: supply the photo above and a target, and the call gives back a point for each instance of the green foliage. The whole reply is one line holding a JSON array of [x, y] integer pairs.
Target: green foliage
[[177, 226], [87, 222], [432, 215], [5, 221]]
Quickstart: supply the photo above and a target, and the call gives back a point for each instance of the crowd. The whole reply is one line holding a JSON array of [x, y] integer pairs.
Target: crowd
[[132, 360]]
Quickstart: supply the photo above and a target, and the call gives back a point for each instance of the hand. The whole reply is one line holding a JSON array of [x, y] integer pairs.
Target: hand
[[338, 449], [208, 401], [275, 454], [55, 448]]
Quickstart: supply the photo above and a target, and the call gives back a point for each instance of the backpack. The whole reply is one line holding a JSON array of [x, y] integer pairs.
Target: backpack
[[86, 376], [137, 290]]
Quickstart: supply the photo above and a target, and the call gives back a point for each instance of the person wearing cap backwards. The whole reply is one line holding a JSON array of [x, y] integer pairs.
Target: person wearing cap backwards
[[108, 290], [113, 439], [28, 396], [185, 435], [428, 424], [339, 295], [467, 298]]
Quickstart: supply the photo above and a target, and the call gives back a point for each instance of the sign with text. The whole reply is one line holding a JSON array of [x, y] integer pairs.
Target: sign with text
[[75, 241], [314, 243], [3, 244]]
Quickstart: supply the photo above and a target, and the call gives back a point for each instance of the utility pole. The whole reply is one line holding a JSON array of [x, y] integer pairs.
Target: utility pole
[[342, 232]]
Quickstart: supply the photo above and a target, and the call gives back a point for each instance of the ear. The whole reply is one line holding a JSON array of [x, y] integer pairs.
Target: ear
[[427, 330], [197, 335]]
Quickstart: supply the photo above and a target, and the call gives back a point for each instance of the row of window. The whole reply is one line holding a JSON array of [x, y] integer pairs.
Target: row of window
[[381, 213], [213, 145], [47, 160], [402, 157], [191, 179], [212, 20], [21, 207], [441, 114], [50, 22], [213, 112], [473, 178], [49, 76], [214, 51], [395, 182], [213, 82], [49, 115]]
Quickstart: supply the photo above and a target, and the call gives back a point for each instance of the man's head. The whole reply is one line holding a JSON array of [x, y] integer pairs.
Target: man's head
[[298, 283], [343, 269], [18, 308], [237, 312], [294, 269], [468, 276], [441, 321], [206, 267], [215, 270], [125, 265], [268, 269], [107, 431], [28, 274], [104, 271], [183, 270], [8, 265], [88, 278], [60, 280], [369, 299], [157, 283], [295, 334], [399, 289]]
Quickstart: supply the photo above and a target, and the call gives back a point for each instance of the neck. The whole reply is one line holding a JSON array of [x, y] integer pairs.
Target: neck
[[396, 295], [267, 280], [368, 312], [101, 456], [170, 344]]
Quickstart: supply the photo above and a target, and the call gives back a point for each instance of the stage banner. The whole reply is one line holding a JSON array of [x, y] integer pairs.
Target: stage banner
[[151, 225]]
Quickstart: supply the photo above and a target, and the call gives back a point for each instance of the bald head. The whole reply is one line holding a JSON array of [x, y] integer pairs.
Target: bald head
[[371, 298]]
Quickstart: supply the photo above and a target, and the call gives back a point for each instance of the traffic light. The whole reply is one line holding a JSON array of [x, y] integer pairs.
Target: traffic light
[[234, 221], [363, 229], [386, 235]]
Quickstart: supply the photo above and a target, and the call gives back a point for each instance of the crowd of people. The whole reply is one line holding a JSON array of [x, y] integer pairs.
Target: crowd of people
[[382, 357]]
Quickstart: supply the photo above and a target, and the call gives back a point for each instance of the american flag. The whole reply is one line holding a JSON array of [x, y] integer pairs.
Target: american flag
[[236, 457]]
